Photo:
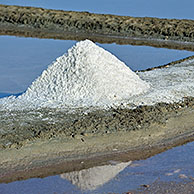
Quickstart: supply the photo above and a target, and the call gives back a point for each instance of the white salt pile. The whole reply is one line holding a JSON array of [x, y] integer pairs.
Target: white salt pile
[[87, 76], [169, 85]]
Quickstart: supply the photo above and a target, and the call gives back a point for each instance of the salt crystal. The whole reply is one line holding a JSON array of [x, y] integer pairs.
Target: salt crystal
[[86, 76]]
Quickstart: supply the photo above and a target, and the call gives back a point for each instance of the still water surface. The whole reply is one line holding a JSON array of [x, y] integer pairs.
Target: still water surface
[[173, 165]]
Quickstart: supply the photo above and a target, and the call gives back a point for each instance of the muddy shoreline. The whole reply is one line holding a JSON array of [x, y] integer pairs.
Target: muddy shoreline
[[43, 23], [94, 138], [43, 165], [20, 127]]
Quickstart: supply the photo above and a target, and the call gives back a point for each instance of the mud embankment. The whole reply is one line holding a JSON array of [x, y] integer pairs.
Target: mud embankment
[[42, 143], [44, 23], [20, 127]]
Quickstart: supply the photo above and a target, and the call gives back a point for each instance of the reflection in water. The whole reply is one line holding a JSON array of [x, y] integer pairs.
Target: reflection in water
[[103, 39], [120, 178], [90, 179]]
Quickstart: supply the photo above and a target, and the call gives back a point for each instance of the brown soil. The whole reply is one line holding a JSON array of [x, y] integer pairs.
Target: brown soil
[[19, 127]]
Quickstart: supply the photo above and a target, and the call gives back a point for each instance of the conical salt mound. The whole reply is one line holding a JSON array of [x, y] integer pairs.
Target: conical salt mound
[[86, 76]]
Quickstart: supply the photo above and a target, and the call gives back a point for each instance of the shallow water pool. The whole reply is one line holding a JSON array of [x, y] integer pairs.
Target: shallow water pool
[[117, 177]]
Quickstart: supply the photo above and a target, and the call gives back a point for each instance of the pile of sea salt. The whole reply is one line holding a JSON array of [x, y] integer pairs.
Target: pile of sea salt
[[86, 76]]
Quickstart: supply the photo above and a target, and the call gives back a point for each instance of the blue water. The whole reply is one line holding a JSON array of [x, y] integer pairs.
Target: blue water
[[139, 8], [167, 166], [23, 59], [2, 95]]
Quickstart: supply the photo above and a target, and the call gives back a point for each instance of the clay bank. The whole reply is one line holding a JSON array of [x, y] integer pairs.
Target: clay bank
[[44, 23], [88, 104]]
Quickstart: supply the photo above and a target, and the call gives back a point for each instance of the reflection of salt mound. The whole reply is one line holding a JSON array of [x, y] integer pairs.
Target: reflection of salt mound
[[90, 179], [86, 76]]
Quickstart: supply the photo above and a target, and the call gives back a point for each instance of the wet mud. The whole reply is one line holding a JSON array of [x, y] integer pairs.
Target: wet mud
[[43, 23], [97, 137], [19, 127]]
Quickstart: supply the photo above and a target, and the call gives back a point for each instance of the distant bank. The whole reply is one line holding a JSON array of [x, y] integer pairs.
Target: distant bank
[[39, 22]]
